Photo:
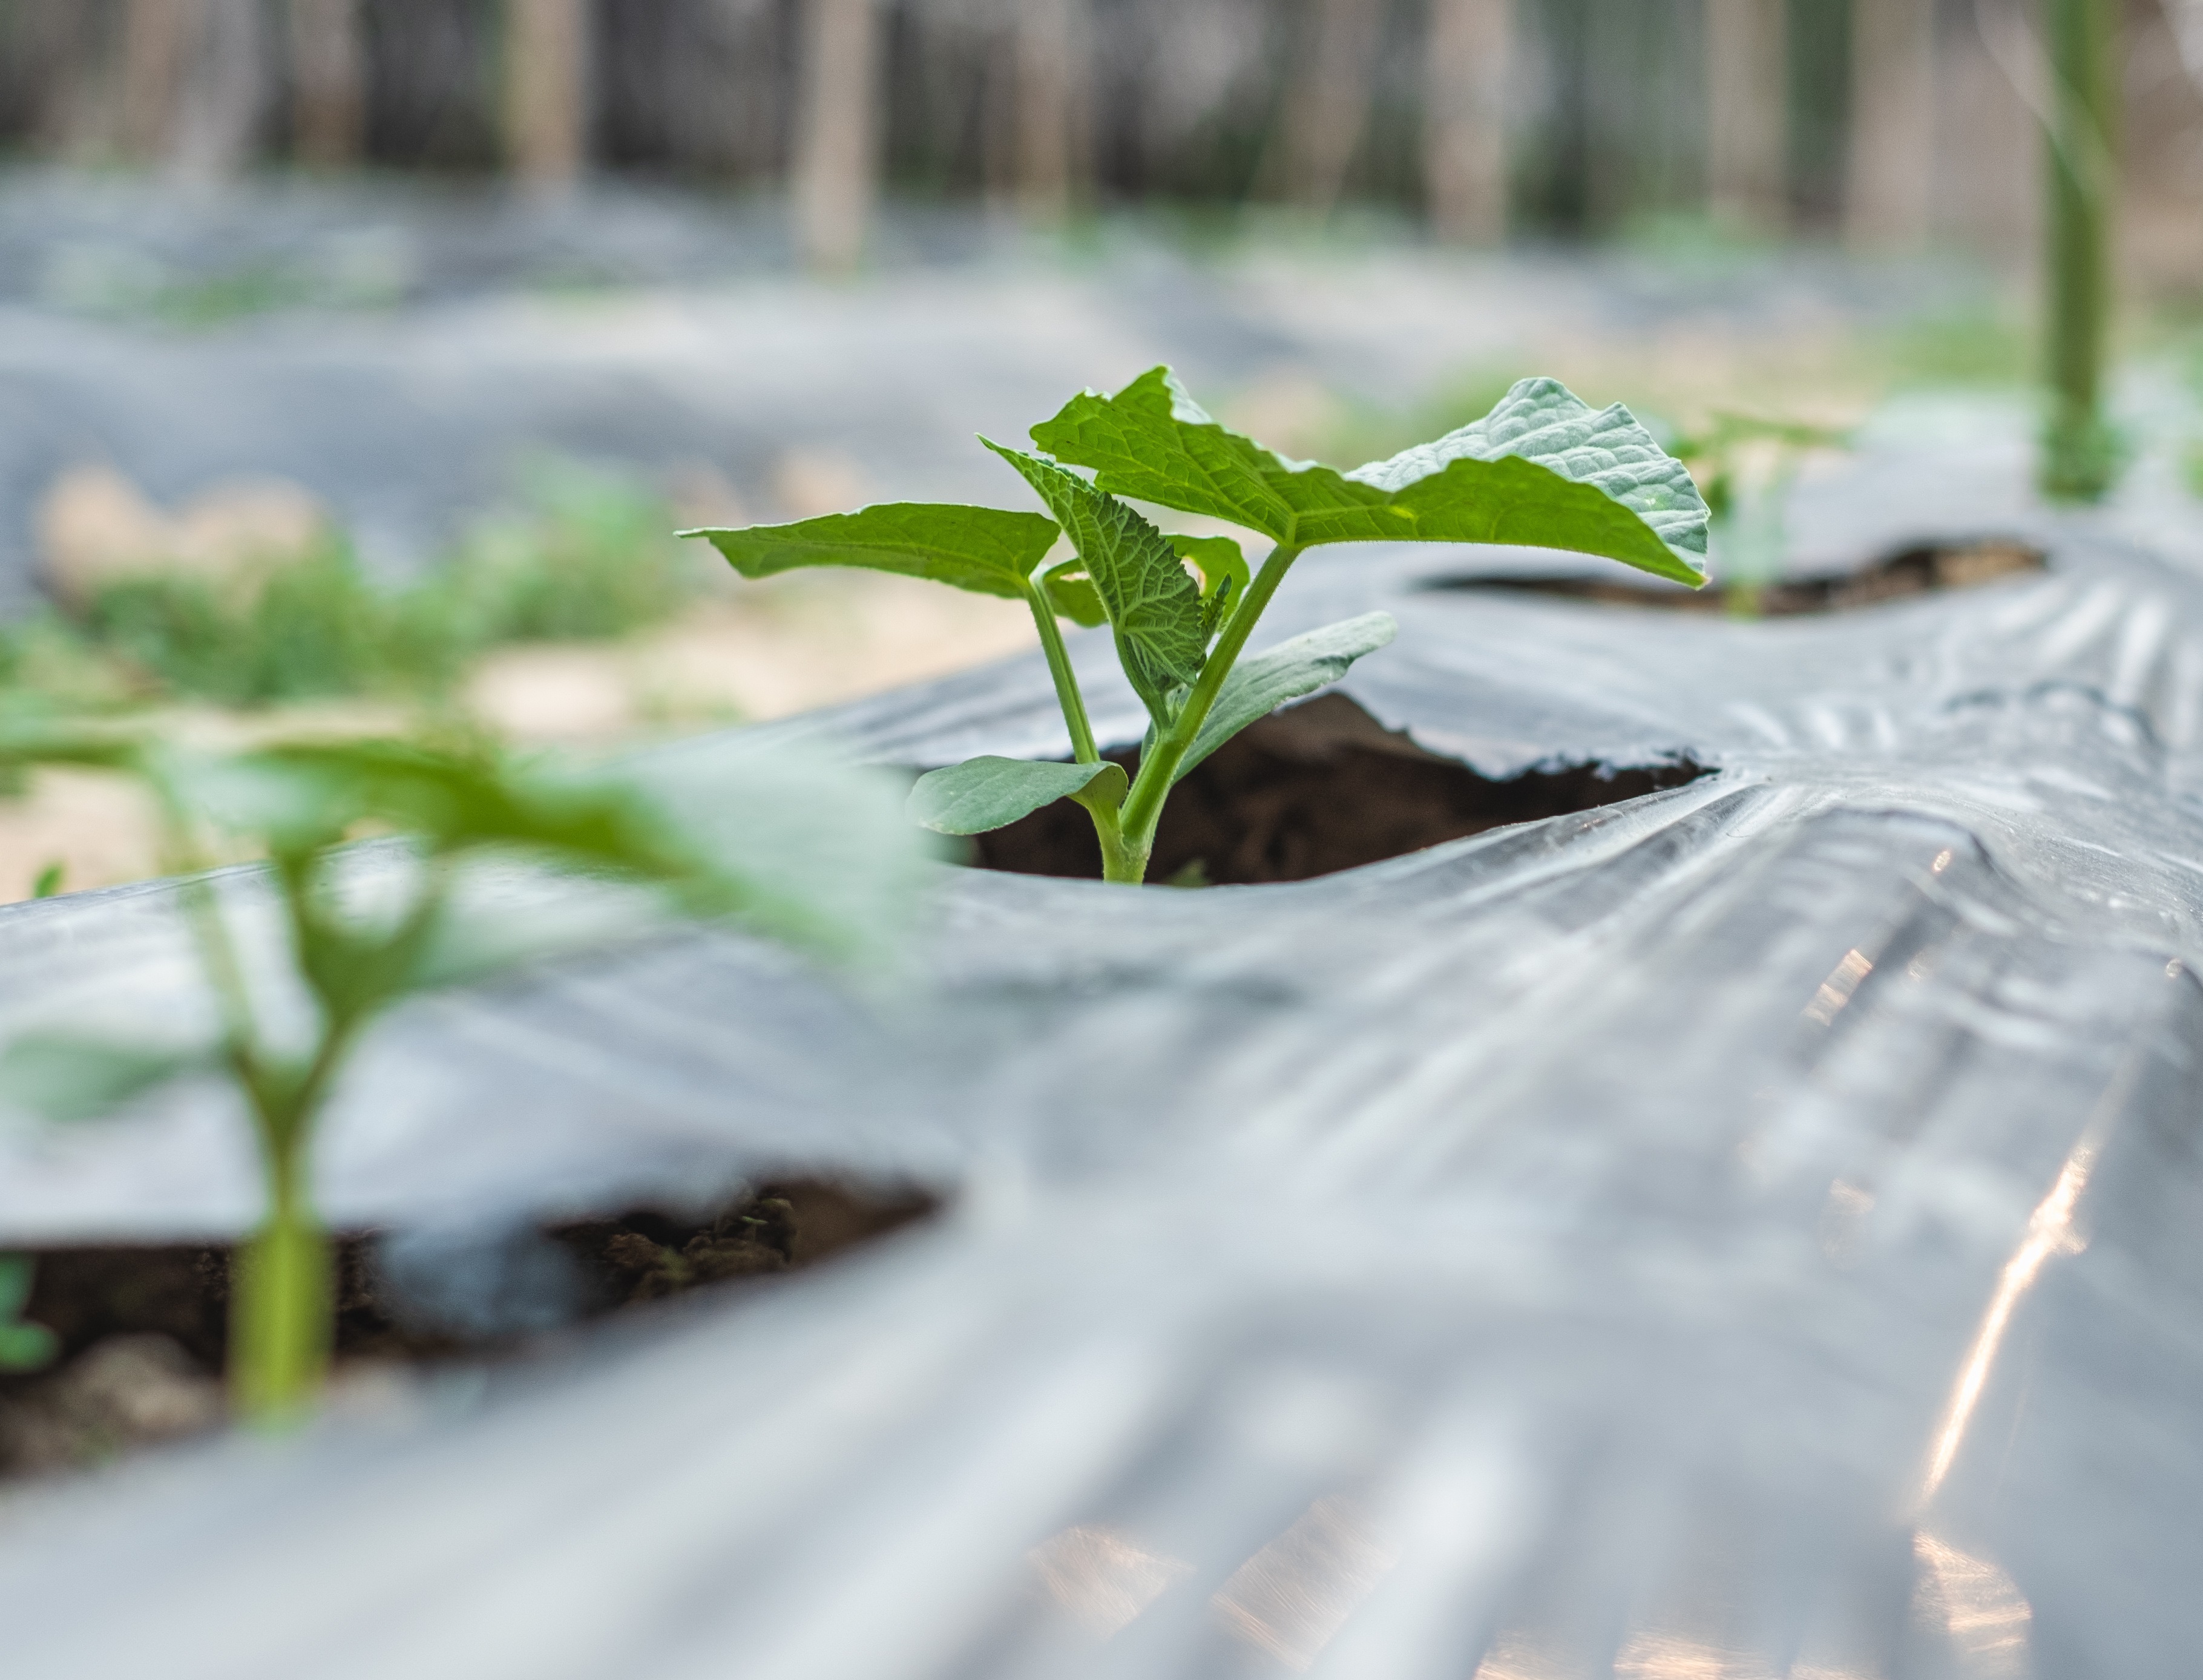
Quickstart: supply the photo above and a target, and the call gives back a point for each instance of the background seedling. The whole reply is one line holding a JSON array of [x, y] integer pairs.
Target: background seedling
[[1543, 469], [1746, 465], [806, 851]]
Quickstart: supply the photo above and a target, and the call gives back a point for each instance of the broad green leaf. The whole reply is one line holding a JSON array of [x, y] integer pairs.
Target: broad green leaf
[[984, 793], [795, 844], [1258, 686], [1542, 423], [984, 550], [63, 1076], [1153, 603], [1543, 469], [1071, 594]]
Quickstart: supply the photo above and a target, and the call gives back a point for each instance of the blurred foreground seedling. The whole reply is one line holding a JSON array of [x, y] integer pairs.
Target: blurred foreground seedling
[[801, 849], [1543, 469]]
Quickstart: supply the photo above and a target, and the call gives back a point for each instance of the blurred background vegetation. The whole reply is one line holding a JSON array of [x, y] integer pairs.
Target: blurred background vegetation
[[359, 357]]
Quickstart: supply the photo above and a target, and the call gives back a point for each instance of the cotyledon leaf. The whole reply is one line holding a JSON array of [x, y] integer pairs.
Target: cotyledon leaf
[[1543, 469], [988, 792], [1258, 686], [1153, 603], [985, 550]]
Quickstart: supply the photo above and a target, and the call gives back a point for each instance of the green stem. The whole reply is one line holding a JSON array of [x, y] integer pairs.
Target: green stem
[[280, 1322], [2079, 453], [1143, 806], [1083, 750]]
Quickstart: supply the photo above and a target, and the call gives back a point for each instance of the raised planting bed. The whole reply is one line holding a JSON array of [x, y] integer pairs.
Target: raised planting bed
[[1746, 1227]]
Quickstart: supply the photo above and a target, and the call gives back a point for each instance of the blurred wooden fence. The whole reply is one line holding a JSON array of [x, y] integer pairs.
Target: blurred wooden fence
[[1897, 122]]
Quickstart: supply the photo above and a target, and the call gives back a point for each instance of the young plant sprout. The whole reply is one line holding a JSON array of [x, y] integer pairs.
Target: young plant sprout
[[356, 948], [1748, 462], [1542, 469]]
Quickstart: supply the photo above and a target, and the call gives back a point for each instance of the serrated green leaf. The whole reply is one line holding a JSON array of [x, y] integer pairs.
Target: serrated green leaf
[[1259, 685], [985, 550], [1543, 469], [984, 793], [1071, 594], [64, 1077], [1153, 603]]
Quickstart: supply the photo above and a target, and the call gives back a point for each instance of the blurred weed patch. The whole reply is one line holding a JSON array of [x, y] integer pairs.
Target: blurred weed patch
[[582, 555]]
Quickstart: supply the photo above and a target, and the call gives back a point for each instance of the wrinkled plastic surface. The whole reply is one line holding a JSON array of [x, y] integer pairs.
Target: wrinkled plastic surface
[[1754, 1231]]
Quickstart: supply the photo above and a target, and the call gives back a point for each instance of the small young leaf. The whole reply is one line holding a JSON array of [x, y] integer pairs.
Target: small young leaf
[[1152, 602], [1259, 685], [49, 884], [1543, 469], [984, 550], [1221, 562], [984, 793], [64, 1077], [1070, 592], [1223, 575]]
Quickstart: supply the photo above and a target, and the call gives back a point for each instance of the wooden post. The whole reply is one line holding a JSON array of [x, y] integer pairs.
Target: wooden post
[[835, 164], [1889, 197], [1327, 101], [547, 90], [1465, 131], [327, 78], [159, 38], [1747, 109], [221, 91], [1051, 104]]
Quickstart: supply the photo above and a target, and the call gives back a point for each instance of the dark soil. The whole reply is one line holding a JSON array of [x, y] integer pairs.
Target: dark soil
[[1312, 790], [1917, 571], [144, 1330]]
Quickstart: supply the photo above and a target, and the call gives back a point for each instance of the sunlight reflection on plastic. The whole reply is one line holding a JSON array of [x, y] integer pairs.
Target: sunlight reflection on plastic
[[1836, 990], [1847, 1208], [1292, 1598], [1978, 1606], [1102, 1578], [2049, 1231]]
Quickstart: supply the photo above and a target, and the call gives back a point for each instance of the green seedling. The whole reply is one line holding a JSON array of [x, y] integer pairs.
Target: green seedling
[[1543, 469], [809, 853], [24, 1347], [1746, 463]]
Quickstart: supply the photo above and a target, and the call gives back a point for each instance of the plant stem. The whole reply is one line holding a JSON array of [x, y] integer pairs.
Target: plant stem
[[1083, 750], [2079, 451], [280, 1320], [1143, 806]]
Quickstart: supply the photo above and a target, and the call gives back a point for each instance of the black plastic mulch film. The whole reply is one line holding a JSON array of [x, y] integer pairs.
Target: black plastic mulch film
[[1755, 1228]]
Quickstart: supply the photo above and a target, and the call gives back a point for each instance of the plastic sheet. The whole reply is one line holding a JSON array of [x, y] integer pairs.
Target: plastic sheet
[[1747, 1231]]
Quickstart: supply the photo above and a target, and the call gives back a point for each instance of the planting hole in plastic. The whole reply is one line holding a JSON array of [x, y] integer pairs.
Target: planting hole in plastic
[[1313, 790], [143, 1330], [1916, 571]]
